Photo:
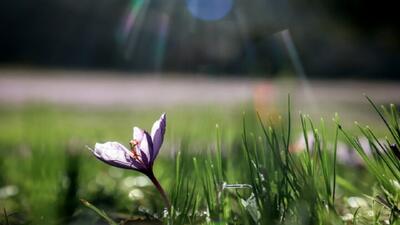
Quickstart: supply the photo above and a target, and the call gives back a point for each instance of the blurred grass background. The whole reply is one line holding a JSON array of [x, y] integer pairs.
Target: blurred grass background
[[73, 74], [46, 167], [43, 148]]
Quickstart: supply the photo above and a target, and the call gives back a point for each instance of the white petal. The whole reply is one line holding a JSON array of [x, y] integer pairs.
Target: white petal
[[157, 134], [138, 133], [114, 154]]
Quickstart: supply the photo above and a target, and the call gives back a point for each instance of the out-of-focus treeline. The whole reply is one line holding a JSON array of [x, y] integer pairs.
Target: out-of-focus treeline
[[334, 38]]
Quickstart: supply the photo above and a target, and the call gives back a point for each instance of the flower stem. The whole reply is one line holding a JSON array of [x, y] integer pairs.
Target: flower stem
[[159, 188]]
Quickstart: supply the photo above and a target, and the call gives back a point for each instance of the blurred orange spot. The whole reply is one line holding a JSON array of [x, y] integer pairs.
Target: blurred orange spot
[[264, 97]]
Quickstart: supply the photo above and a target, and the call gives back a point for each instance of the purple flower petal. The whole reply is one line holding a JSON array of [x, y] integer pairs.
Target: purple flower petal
[[145, 144], [115, 154], [145, 160], [157, 134]]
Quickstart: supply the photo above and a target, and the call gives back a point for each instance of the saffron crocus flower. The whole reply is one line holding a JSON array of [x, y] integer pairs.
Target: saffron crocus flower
[[141, 154]]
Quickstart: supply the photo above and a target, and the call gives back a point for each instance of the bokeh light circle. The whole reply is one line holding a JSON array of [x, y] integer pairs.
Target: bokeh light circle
[[209, 9]]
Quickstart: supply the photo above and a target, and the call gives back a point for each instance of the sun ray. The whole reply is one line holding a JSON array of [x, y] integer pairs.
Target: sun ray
[[298, 68], [132, 25]]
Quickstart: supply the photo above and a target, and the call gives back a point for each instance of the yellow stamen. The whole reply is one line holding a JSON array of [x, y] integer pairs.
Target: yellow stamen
[[135, 155]]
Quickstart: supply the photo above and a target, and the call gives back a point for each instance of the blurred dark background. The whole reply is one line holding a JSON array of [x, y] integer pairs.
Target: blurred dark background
[[334, 38]]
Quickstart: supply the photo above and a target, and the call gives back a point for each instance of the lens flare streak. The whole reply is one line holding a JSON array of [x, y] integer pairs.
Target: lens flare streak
[[161, 41], [130, 18], [131, 25]]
